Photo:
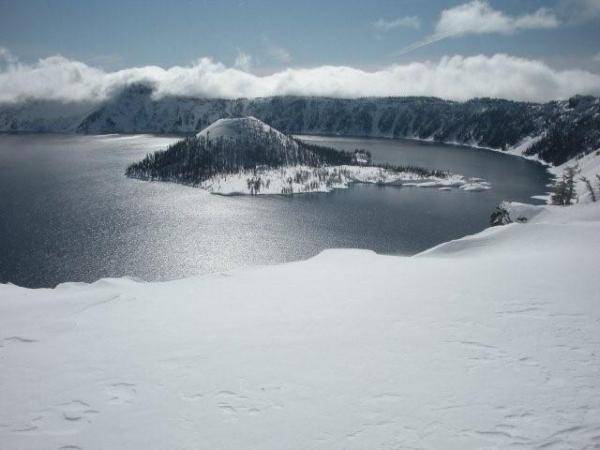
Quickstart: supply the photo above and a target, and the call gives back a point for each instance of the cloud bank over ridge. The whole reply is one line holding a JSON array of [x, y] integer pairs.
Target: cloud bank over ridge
[[456, 78]]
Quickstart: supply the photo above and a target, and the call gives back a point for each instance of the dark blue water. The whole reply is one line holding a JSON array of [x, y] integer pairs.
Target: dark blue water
[[67, 212]]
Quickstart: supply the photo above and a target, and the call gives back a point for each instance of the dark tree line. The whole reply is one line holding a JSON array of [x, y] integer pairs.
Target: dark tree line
[[195, 159]]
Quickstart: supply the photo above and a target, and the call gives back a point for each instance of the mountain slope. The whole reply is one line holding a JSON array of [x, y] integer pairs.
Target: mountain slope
[[556, 131], [44, 116]]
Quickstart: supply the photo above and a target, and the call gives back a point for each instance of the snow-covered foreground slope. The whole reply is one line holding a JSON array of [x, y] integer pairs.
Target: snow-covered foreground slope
[[492, 341]]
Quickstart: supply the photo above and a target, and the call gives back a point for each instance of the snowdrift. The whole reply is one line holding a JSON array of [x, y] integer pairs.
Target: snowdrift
[[491, 341]]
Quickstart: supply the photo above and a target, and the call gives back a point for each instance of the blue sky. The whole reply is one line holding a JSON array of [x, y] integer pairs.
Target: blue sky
[[87, 50], [123, 33]]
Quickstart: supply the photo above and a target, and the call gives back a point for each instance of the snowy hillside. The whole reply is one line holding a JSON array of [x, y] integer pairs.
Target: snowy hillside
[[588, 167], [491, 341], [556, 131]]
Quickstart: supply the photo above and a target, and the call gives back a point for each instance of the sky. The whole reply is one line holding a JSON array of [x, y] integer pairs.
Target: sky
[[74, 50]]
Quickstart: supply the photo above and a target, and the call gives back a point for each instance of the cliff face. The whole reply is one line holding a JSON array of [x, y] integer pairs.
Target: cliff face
[[563, 129], [43, 116]]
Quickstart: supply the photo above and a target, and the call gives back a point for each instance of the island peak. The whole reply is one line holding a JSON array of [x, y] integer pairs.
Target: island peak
[[235, 127]]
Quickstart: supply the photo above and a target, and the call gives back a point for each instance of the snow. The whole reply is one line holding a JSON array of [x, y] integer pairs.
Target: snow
[[476, 186], [520, 212], [490, 341], [523, 146], [517, 150], [230, 128], [304, 179], [543, 197], [589, 167], [361, 158]]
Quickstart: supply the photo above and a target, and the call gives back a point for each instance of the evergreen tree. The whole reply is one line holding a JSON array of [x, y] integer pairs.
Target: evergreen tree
[[590, 188], [564, 189], [196, 159]]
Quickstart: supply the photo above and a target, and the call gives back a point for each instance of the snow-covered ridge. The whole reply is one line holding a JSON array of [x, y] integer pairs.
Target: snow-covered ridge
[[490, 341], [562, 129]]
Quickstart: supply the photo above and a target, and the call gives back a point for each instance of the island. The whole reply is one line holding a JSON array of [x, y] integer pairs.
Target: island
[[244, 155]]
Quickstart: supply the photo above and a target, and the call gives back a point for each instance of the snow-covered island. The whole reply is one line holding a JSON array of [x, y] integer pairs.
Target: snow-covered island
[[247, 156]]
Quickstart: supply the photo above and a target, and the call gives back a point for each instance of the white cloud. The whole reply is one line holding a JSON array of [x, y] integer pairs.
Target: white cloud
[[401, 22], [243, 61], [6, 57], [478, 17], [456, 77], [596, 57]]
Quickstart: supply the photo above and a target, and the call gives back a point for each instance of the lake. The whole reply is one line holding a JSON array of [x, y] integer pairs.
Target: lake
[[67, 212]]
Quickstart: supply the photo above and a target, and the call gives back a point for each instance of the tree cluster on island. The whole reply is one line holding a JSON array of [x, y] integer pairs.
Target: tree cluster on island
[[195, 159]]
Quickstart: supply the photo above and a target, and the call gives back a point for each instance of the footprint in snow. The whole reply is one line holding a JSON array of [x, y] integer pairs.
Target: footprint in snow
[[191, 397], [19, 339], [121, 393], [77, 410]]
